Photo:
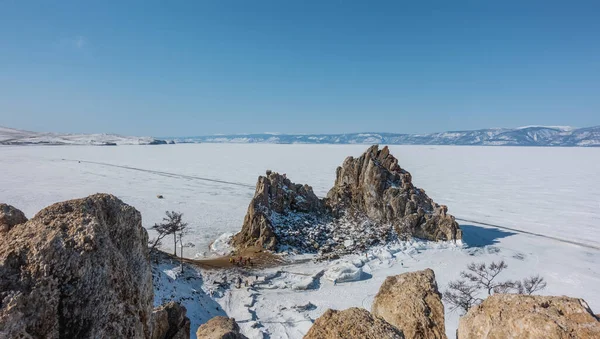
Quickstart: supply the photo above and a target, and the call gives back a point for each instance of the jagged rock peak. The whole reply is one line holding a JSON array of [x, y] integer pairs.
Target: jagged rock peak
[[372, 201], [374, 186], [78, 269], [529, 316], [276, 198]]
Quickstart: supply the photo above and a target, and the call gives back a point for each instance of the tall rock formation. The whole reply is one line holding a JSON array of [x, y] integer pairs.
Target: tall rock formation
[[528, 316], [78, 269], [372, 201], [374, 186], [352, 323], [411, 302], [278, 212]]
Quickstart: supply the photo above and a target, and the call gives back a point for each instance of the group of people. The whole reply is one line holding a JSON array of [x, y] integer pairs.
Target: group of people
[[241, 262]]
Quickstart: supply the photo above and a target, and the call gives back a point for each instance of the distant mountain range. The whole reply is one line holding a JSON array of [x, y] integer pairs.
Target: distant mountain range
[[522, 136], [11, 136]]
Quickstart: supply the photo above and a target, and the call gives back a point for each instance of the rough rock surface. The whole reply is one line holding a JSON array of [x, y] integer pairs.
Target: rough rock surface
[[278, 206], [375, 186], [169, 321], [526, 316], [220, 328], [351, 323], [78, 269], [9, 217], [411, 302], [373, 201]]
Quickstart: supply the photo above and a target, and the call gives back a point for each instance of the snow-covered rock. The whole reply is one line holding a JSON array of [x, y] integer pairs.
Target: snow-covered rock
[[372, 202], [222, 245], [343, 272]]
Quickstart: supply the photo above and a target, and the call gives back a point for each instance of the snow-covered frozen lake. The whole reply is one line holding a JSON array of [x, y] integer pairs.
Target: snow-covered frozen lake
[[553, 192]]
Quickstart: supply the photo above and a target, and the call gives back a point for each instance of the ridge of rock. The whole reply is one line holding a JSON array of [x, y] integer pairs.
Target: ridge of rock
[[372, 201]]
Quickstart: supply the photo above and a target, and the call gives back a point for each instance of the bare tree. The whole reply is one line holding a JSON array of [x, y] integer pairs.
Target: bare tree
[[461, 295], [480, 278], [530, 285], [172, 224], [483, 276]]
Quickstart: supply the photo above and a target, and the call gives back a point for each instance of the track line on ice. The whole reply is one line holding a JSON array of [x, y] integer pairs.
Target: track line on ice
[[182, 176], [534, 234]]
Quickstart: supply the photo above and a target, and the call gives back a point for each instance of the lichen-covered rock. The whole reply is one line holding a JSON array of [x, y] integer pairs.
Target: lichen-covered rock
[[527, 316], [375, 186], [350, 324], [373, 201], [9, 217], [411, 302], [220, 328], [78, 269], [169, 321]]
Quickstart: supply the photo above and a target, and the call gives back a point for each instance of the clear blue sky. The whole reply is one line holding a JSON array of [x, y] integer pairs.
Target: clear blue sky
[[176, 68]]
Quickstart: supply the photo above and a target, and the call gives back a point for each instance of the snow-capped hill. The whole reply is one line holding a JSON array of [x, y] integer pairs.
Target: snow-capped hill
[[10, 136], [521, 136]]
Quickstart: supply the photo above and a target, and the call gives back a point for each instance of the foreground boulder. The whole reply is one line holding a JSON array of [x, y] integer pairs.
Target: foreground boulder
[[78, 269], [411, 302], [372, 201], [527, 316], [220, 328], [170, 322], [352, 323], [9, 217]]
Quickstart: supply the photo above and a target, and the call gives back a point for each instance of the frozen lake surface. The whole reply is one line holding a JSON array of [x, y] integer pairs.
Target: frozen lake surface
[[553, 192]]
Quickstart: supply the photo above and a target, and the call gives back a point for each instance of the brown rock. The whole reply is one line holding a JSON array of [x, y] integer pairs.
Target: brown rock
[[220, 328], [411, 302], [372, 201], [374, 185], [78, 269], [274, 194], [170, 322], [527, 316], [9, 217], [351, 323]]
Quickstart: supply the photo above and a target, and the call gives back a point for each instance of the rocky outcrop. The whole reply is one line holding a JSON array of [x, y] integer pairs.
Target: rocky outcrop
[[411, 302], [527, 316], [374, 185], [352, 323], [279, 212], [78, 269], [220, 328], [9, 217], [169, 321], [372, 201]]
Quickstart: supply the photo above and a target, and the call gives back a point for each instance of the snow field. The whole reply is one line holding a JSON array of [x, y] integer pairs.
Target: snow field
[[551, 191]]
